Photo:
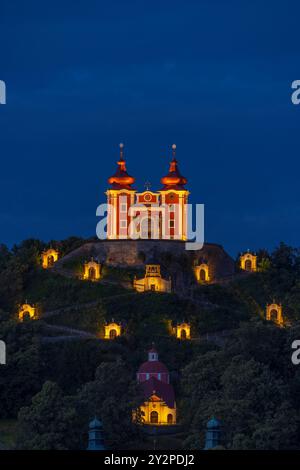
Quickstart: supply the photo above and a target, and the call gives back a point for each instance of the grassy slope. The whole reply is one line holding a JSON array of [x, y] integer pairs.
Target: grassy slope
[[53, 291], [213, 308]]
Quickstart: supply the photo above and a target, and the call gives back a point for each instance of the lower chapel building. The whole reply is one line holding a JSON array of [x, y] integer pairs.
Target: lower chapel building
[[159, 407]]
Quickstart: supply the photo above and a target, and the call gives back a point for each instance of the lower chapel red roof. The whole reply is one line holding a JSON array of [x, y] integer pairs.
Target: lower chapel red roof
[[160, 389], [153, 366]]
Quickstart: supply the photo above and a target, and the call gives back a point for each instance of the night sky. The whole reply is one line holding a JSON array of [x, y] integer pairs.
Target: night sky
[[212, 76]]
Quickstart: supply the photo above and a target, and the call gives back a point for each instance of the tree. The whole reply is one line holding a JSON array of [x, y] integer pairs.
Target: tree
[[248, 398], [113, 395], [21, 377], [50, 422]]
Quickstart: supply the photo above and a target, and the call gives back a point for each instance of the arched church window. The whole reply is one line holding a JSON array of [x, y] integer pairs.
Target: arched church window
[[170, 419]]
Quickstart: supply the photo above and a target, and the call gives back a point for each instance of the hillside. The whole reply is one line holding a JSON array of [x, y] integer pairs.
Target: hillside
[[60, 371]]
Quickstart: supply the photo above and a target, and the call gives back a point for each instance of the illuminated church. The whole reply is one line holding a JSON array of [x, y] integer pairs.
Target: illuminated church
[[148, 214], [159, 407]]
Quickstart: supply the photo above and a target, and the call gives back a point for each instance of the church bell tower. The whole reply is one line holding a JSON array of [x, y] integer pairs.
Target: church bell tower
[[120, 196]]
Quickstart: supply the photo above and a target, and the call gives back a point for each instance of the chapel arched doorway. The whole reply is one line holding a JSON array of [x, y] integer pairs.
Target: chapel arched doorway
[[170, 419], [50, 261], [274, 315], [92, 274], [154, 417], [183, 334], [112, 334], [248, 265]]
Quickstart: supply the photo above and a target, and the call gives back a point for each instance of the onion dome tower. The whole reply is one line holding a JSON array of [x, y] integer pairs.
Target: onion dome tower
[[174, 195], [173, 180], [120, 197], [121, 179]]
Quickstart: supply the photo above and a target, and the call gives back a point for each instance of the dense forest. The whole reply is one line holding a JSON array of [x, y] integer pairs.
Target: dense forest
[[237, 366]]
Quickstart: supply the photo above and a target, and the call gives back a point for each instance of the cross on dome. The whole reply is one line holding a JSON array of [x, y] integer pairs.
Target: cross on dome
[[121, 151], [174, 150]]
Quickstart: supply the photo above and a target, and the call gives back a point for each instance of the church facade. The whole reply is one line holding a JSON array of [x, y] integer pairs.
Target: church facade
[[149, 214]]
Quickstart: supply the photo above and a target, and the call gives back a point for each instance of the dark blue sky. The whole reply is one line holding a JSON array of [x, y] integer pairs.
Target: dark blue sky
[[212, 76]]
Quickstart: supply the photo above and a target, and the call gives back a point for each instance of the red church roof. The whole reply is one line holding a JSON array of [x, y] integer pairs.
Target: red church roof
[[162, 390], [154, 367]]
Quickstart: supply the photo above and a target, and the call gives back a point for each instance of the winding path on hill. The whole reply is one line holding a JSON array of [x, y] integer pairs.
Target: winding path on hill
[[70, 334], [85, 305]]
